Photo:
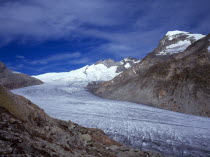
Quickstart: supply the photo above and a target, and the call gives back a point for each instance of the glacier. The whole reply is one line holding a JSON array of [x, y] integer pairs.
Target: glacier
[[136, 125]]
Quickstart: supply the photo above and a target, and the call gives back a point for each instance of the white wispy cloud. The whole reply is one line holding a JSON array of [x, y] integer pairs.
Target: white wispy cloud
[[56, 58], [20, 57]]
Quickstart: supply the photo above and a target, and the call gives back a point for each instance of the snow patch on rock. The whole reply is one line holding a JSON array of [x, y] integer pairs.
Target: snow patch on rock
[[137, 61], [127, 65], [175, 48]]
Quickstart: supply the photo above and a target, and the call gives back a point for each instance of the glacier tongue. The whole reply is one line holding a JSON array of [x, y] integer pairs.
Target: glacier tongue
[[133, 124]]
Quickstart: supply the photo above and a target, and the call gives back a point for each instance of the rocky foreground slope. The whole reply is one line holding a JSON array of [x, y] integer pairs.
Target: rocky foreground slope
[[175, 76], [25, 130], [13, 80]]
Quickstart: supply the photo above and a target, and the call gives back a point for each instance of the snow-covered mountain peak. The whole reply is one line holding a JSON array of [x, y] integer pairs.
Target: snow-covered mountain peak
[[176, 42], [174, 34], [102, 70], [98, 72]]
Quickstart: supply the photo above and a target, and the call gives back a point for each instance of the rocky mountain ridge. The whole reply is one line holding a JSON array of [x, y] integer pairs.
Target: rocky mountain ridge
[[13, 80], [122, 65], [178, 82]]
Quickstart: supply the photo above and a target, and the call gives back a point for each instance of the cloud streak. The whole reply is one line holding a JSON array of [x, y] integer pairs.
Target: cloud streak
[[20, 57], [55, 58]]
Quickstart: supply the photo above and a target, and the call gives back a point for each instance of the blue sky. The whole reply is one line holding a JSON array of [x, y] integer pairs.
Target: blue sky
[[40, 36]]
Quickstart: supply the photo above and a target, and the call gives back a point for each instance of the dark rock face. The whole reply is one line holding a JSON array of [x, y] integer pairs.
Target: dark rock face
[[2, 67], [179, 82], [25, 130], [12, 80]]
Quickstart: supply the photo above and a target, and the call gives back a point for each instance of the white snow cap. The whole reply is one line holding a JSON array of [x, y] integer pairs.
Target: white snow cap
[[181, 45], [172, 34], [169, 33]]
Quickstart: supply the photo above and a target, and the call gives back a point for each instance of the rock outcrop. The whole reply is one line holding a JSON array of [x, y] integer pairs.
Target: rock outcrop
[[179, 81], [25, 130], [124, 64], [13, 80], [108, 63]]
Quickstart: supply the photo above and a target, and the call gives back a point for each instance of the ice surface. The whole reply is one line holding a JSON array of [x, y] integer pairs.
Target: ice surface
[[133, 124]]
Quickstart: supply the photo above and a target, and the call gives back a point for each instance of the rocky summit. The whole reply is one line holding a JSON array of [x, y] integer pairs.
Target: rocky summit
[[178, 81], [124, 64], [26, 130], [13, 80]]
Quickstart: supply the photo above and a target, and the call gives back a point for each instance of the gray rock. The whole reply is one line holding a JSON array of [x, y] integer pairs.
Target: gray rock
[[13, 80], [86, 138], [121, 66], [114, 147]]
